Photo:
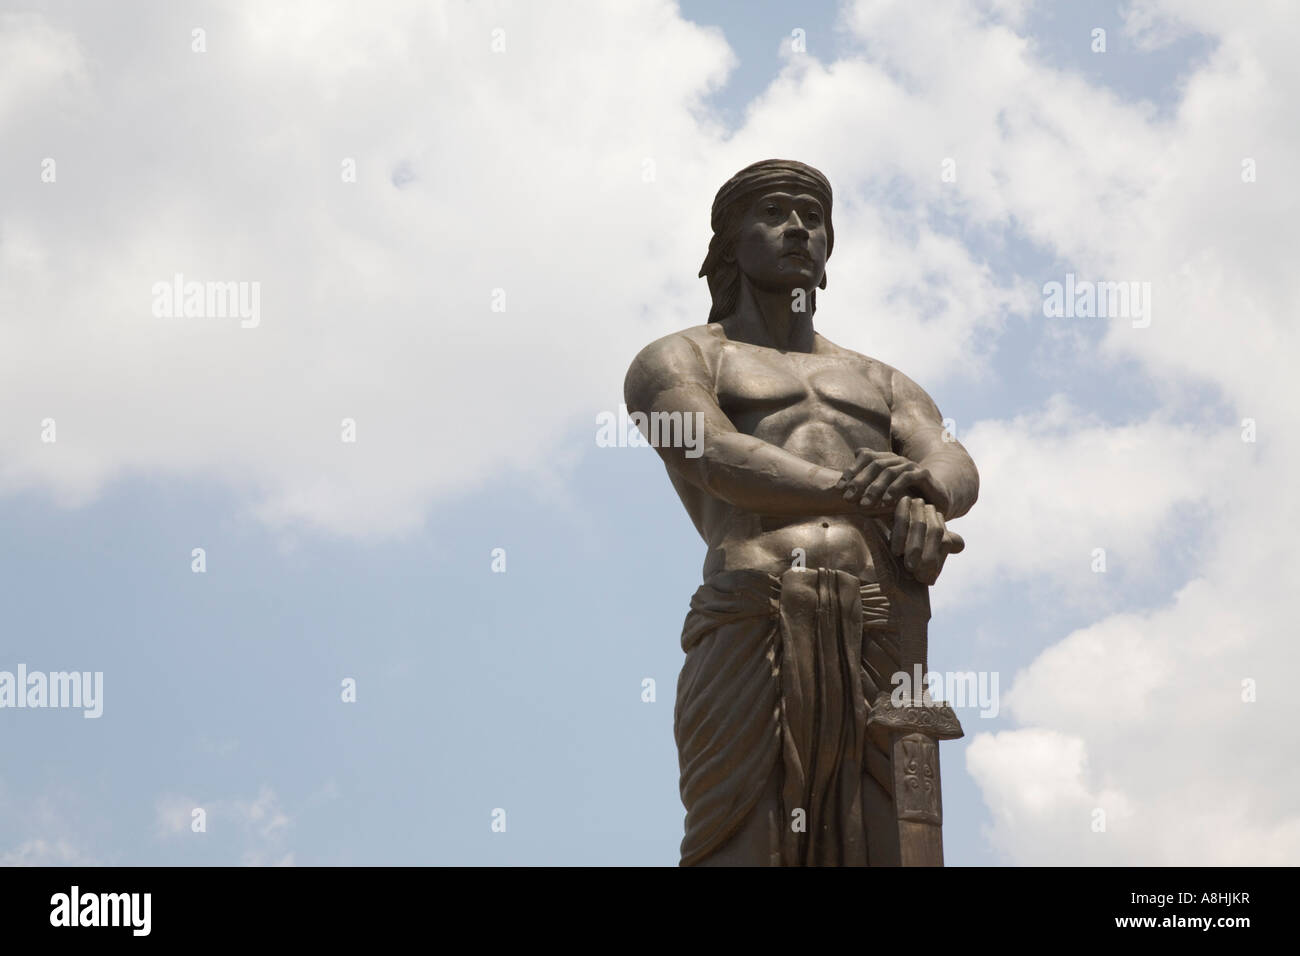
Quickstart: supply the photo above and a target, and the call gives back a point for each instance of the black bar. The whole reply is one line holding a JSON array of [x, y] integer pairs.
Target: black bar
[[962, 906]]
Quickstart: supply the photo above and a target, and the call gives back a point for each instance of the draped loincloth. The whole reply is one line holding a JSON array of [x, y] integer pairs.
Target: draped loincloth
[[772, 706]]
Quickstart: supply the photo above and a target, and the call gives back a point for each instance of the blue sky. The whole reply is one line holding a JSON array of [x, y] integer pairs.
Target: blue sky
[[523, 690]]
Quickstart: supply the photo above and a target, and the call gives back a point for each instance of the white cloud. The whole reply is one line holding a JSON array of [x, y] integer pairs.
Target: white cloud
[[1036, 782], [1058, 484], [174, 814], [523, 171], [256, 827], [39, 852], [375, 300], [1189, 710], [263, 815], [40, 67]]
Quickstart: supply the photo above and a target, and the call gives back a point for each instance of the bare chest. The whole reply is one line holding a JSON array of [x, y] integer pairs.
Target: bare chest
[[762, 390]]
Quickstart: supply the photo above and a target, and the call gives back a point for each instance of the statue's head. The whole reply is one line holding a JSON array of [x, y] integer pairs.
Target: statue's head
[[771, 226]]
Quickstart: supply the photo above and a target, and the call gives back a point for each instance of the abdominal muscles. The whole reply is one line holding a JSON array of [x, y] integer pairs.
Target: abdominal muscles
[[744, 540], [775, 544]]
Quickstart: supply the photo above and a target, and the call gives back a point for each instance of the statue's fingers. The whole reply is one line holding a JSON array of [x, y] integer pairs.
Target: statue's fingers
[[904, 480], [953, 543], [887, 476], [915, 534], [899, 536], [930, 569], [870, 476], [927, 574], [861, 459], [864, 455], [860, 480], [932, 549]]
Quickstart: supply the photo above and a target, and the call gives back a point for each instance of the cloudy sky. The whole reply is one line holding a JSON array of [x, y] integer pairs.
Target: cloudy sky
[[463, 221]]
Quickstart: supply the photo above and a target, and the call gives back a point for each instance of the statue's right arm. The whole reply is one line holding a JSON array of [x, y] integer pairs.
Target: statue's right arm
[[671, 375]]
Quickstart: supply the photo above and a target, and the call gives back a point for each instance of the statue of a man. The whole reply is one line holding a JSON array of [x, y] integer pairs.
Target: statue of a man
[[821, 488]]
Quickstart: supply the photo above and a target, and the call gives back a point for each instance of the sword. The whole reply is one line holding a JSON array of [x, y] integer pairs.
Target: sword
[[915, 726]]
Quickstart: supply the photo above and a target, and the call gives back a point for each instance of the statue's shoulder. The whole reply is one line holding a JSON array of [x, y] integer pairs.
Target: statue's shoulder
[[707, 338], [880, 374], [687, 355], [699, 343]]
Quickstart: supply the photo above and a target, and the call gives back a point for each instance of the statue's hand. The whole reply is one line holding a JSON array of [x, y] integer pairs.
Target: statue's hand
[[877, 479], [921, 540]]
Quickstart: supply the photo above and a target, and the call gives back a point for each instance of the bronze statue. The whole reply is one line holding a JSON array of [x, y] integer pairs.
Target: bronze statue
[[821, 488]]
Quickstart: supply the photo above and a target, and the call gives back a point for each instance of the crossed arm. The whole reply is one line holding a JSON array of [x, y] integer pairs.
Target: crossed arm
[[923, 481], [670, 375]]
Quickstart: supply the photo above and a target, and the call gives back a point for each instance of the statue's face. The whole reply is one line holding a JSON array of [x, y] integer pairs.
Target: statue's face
[[781, 244]]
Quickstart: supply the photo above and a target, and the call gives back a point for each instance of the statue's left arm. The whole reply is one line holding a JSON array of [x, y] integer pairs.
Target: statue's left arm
[[917, 432], [926, 476]]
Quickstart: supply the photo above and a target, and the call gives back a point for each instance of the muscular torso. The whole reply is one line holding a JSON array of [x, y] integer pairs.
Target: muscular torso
[[821, 406]]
